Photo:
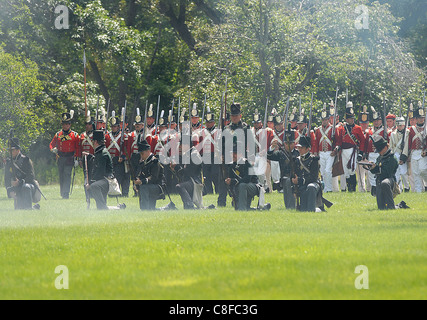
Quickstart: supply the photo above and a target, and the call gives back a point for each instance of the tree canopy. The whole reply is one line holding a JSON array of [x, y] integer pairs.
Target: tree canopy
[[263, 49]]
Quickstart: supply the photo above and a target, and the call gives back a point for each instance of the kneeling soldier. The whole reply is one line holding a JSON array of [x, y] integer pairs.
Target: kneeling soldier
[[19, 178], [385, 170], [242, 181], [307, 177], [102, 168], [150, 178]]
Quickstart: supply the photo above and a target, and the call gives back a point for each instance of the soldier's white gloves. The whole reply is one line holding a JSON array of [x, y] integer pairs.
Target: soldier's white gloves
[[76, 163], [54, 150]]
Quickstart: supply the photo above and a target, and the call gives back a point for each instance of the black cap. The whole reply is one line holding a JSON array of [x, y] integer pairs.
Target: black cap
[[143, 146], [235, 109], [98, 135], [379, 143], [14, 143], [67, 117], [304, 141]]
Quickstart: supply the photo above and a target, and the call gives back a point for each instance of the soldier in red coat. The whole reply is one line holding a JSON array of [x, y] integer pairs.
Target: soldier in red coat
[[417, 149], [323, 146], [371, 153], [351, 141], [65, 144], [119, 152]]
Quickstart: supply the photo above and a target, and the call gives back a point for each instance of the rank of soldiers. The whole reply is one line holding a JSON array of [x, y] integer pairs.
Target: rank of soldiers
[[193, 155]]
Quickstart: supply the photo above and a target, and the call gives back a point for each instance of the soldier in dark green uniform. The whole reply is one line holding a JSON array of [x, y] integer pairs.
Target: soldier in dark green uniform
[[19, 179], [286, 156], [150, 178], [307, 178], [242, 181], [385, 170], [102, 168]]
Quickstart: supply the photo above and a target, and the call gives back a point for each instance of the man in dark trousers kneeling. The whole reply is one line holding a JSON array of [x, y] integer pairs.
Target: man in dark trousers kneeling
[[19, 178], [102, 168], [385, 170], [150, 178], [307, 178]]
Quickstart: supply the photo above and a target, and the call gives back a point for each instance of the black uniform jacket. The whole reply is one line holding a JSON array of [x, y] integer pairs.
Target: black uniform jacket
[[102, 164], [285, 160], [151, 171], [307, 170], [21, 169], [386, 167]]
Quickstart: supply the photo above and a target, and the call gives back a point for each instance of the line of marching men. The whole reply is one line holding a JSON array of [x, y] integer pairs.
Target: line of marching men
[[295, 156]]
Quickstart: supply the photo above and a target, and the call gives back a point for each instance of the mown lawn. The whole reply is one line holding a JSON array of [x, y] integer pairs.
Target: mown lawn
[[213, 254]]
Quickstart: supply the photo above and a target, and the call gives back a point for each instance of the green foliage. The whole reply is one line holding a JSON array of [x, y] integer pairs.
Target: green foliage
[[19, 88]]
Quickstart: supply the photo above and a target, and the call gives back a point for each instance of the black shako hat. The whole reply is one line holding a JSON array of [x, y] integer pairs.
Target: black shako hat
[[14, 143], [304, 142], [98, 135], [143, 146], [235, 109], [379, 143]]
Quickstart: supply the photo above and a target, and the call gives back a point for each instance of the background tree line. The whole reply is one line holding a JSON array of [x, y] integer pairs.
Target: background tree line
[[139, 49]]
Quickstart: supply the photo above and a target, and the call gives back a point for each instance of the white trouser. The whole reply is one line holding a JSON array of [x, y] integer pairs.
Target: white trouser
[[275, 171], [372, 158], [326, 163], [361, 176], [346, 155], [419, 170], [335, 184], [401, 172]]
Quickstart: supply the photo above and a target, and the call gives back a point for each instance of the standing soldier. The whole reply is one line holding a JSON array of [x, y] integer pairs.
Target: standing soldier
[[391, 123], [278, 133], [416, 148], [133, 139], [401, 155], [351, 140], [362, 173], [211, 170], [323, 147], [371, 155], [65, 145], [19, 179], [150, 126], [86, 142], [117, 151], [150, 178]]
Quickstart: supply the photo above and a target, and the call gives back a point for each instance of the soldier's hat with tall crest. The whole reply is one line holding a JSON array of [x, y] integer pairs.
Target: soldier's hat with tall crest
[[271, 116], [325, 112], [293, 116], [138, 117], [114, 121], [194, 111], [209, 115], [364, 115], [376, 115], [150, 112], [89, 119], [67, 117], [419, 112], [349, 111], [256, 117], [302, 117]]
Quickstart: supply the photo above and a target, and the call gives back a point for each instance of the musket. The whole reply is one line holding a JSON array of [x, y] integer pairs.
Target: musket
[[310, 121], [385, 120], [106, 116], [179, 115], [300, 107], [96, 115], [402, 146], [346, 96], [335, 115], [87, 184], [400, 106], [157, 116], [145, 120], [84, 66], [266, 114], [286, 120], [203, 113], [425, 122], [170, 118]]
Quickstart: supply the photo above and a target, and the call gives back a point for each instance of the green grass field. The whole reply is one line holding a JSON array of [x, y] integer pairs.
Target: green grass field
[[213, 254]]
